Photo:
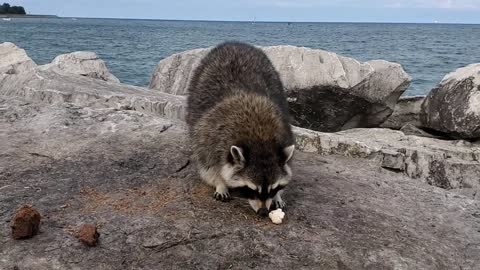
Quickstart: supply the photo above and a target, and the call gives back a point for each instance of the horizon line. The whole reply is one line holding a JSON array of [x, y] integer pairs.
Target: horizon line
[[250, 21]]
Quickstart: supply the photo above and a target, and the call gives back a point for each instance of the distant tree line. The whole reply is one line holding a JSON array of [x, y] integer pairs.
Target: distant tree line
[[7, 9]]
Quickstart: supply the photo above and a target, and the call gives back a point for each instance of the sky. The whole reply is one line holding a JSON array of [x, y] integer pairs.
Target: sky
[[413, 11]]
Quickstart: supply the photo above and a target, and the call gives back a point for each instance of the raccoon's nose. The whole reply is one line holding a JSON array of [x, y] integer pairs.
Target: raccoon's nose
[[263, 212]]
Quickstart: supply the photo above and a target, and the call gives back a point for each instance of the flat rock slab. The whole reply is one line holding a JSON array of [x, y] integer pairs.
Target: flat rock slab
[[45, 85], [446, 164], [128, 172]]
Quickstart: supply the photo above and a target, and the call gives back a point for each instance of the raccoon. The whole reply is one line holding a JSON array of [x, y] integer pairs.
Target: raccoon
[[239, 125]]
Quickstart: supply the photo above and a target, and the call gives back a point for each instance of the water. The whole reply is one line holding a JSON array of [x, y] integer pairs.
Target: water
[[132, 48]]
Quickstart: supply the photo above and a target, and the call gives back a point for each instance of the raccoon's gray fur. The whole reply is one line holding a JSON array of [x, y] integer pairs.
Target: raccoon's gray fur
[[239, 125]]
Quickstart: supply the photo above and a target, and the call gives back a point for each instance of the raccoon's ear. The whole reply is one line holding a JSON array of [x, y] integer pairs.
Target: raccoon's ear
[[237, 155], [289, 152]]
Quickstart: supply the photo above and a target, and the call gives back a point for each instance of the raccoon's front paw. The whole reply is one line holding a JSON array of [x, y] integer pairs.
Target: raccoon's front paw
[[224, 197], [221, 194], [279, 204]]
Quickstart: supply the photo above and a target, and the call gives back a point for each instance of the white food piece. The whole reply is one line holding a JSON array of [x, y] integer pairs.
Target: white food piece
[[276, 216]]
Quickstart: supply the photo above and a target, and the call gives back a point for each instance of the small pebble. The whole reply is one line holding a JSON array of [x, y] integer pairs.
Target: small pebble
[[88, 235], [26, 223]]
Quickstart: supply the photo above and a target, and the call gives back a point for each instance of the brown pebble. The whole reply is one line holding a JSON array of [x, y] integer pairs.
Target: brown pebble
[[26, 223], [88, 234]]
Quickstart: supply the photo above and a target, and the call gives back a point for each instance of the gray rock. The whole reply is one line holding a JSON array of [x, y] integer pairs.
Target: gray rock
[[410, 129], [128, 172], [326, 92], [82, 63], [172, 75], [445, 164], [14, 60], [48, 86], [453, 107], [407, 111]]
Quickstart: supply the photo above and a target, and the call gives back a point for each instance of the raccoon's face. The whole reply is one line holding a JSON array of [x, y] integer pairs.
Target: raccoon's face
[[259, 173]]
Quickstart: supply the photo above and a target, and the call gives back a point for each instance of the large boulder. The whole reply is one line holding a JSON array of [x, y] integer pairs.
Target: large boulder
[[14, 60], [84, 64], [172, 75], [407, 112], [326, 92], [453, 107]]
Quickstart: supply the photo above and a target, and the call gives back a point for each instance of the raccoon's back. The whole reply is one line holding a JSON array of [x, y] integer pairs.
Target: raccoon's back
[[248, 120], [228, 69]]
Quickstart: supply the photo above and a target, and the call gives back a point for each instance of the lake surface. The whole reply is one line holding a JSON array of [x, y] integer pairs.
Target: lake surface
[[132, 48]]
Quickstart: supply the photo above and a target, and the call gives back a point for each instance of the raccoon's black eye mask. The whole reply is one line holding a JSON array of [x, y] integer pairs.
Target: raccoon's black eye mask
[[248, 193]]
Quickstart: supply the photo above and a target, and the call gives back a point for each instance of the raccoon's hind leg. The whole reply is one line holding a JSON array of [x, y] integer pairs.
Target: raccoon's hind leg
[[278, 202], [213, 178]]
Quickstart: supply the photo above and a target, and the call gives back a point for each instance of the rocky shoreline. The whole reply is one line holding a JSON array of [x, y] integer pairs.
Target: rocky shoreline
[[383, 181]]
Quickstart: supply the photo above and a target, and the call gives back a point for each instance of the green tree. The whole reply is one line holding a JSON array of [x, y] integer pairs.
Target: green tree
[[17, 10], [4, 9], [7, 9]]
